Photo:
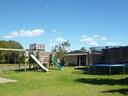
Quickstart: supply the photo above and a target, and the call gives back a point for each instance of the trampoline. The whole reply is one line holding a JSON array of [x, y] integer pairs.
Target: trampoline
[[109, 57], [109, 66]]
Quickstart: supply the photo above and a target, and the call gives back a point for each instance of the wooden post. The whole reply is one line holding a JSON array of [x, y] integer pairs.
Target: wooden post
[[124, 69], [87, 61], [94, 68], [19, 61], [109, 70], [15, 63], [8, 57], [79, 61], [28, 54], [25, 60]]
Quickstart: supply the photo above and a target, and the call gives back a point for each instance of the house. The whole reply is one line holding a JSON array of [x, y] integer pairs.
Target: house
[[77, 58]]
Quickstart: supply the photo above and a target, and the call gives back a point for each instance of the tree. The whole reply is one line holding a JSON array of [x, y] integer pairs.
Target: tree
[[61, 50], [83, 49]]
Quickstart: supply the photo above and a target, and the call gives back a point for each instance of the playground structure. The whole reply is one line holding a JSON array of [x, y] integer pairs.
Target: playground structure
[[36, 56], [43, 57], [38, 62], [39, 55], [57, 63], [29, 54], [22, 52]]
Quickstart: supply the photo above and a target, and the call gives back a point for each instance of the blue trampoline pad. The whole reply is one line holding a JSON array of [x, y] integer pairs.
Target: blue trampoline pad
[[109, 65]]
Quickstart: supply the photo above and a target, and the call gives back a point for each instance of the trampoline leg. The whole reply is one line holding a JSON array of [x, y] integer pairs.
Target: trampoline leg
[[89, 70], [123, 69], [110, 70], [94, 69]]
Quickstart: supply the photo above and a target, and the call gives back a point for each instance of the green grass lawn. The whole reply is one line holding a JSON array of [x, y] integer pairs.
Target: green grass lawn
[[67, 82]]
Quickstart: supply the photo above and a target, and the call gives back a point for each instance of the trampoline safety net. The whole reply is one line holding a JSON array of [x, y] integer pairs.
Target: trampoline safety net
[[109, 55]]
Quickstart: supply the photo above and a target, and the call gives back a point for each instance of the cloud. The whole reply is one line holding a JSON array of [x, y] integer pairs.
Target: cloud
[[89, 41], [112, 43], [57, 41], [11, 35], [97, 40], [96, 36], [56, 32], [25, 33], [31, 33], [103, 38], [94, 40], [94, 43], [84, 36]]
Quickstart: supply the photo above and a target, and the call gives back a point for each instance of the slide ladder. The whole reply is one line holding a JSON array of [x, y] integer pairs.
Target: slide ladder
[[38, 62]]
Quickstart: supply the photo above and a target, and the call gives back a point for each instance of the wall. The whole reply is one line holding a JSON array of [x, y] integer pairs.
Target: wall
[[72, 60]]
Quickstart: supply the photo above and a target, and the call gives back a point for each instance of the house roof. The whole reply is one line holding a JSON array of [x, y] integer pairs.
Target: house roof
[[77, 52]]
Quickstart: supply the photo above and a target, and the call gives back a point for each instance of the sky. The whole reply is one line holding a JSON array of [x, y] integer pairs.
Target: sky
[[85, 23]]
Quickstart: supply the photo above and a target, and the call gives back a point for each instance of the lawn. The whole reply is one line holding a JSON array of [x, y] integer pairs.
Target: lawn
[[67, 82]]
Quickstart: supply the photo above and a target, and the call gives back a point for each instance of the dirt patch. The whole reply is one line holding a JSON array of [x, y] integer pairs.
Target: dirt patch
[[3, 80]]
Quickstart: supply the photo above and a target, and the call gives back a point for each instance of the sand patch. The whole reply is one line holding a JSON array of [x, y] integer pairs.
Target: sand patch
[[3, 80]]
